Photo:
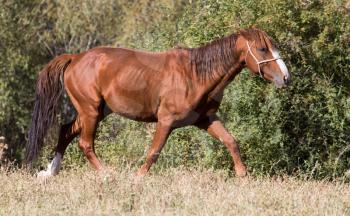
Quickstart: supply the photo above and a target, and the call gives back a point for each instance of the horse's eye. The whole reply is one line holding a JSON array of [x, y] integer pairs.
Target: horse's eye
[[263, 49]]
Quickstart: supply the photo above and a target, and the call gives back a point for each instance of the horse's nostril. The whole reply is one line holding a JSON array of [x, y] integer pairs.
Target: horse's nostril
[[286, 79]]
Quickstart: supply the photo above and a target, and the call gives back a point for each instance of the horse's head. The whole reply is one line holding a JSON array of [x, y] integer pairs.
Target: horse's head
[[261, 57]]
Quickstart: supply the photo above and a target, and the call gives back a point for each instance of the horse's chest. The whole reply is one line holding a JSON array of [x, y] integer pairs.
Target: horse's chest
[[210, 103], [199, 109]]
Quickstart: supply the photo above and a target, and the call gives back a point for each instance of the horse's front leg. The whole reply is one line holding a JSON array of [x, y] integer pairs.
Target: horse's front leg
[[216, 129], [161, 135]]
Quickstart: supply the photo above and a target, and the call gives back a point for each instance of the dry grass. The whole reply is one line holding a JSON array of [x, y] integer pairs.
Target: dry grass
[[171, 192]]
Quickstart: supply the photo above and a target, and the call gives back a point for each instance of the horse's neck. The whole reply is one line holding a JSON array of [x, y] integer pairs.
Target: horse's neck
[[215, 58], [217, 86], [214, 81]]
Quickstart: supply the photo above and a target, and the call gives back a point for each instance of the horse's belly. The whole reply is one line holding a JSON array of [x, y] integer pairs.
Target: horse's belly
[[134, 108]]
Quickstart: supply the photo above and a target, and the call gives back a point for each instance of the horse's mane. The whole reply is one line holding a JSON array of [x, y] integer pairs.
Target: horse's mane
[[258, 36], [219, 55]]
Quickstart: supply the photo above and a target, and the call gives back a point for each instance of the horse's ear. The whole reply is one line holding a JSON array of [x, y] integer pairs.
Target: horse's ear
[[254, 26], [180, 46]]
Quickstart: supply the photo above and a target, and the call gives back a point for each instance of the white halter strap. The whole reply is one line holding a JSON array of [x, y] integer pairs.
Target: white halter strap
[[256, 59]]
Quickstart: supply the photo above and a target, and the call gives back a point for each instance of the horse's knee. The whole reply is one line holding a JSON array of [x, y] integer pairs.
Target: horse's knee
[[229, 140], [231, 143], [154, 157], [85, 147]]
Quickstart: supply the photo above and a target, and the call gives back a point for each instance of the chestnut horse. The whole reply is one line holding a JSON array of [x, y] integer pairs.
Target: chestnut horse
[[176, 88]]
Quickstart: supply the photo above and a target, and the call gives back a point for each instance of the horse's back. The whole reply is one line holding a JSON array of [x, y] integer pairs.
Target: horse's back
[[128, 81]]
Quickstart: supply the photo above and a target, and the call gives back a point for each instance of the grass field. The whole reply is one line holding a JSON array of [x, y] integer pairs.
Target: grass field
[[170, 192]]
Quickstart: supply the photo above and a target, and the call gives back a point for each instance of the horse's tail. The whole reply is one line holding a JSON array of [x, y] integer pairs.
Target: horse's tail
[[49, 88]]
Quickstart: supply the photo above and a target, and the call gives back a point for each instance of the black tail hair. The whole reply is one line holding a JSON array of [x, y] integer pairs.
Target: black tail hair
[[48, 91]]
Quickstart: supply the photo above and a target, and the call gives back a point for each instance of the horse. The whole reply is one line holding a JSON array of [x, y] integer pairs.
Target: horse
[[175, 88]]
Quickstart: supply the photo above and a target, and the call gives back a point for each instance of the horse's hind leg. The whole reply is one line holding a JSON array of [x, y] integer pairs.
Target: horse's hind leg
[[85, 125], [67, 133], [87, 135]]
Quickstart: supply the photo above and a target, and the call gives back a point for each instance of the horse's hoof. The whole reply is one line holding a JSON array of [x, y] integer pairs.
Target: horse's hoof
[[105, 175], [138, 177], [141, 173], [241, 172], [44, 175]]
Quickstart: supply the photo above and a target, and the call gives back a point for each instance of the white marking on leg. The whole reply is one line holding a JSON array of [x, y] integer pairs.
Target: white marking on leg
[[280, 63], [55, 164], [52, 168]]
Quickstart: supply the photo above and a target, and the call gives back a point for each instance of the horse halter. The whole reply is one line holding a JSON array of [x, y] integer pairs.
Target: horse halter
[[256, 59]]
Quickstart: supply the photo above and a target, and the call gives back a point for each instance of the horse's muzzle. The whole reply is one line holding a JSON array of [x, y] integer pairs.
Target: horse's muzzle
[[287, 80]]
